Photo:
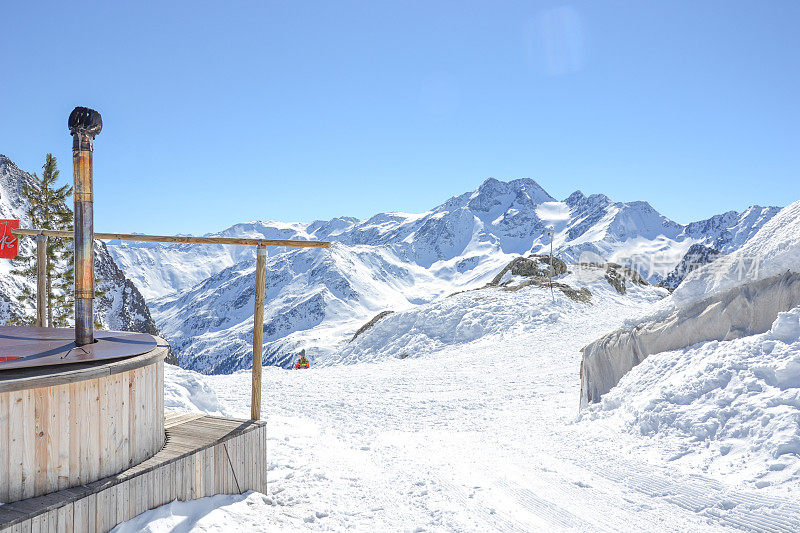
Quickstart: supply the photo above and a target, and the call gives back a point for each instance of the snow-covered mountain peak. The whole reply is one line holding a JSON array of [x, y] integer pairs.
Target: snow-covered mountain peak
[[202, 295], [575, 198]]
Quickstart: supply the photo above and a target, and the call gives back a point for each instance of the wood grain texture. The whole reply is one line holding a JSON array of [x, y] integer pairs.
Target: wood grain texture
[[192, 464], [58, 436], [258, 332]]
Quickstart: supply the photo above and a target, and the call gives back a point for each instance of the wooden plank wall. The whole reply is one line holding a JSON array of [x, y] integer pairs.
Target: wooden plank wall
[[203, 456], [65, 435]]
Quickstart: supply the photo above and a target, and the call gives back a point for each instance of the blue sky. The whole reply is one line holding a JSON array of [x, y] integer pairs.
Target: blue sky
[[220, 112]]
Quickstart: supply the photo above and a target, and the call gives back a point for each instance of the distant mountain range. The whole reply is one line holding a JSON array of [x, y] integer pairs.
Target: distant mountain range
[[202, 296]]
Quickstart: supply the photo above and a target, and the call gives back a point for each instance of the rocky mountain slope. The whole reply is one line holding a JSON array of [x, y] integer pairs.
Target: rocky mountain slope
[[202, 296], [121, 307], [697, 256]]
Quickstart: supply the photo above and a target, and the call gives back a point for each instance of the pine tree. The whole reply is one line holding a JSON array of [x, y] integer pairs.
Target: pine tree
[[48, 210]]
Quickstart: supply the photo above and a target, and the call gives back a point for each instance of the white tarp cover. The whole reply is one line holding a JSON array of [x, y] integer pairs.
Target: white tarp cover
[[745, 310]]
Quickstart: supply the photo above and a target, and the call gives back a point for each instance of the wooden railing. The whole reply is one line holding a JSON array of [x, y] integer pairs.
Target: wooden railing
[[261, 271]]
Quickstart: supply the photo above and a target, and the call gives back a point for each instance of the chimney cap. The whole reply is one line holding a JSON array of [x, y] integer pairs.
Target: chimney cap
[[85, 121]]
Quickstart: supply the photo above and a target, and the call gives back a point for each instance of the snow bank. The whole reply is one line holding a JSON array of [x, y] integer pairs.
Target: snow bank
[[221, 513], [689, 316], [742, 311], [728, 408], [185, 390], [470, 316]]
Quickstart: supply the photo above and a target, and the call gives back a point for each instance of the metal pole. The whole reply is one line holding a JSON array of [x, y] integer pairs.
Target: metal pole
[[41, 279], [84, 124], [258, 330]]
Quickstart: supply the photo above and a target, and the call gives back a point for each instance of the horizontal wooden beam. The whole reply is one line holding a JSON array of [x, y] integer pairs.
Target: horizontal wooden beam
[[178, 239]]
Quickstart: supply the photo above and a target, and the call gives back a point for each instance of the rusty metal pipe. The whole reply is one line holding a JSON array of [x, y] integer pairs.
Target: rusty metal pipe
[[84, 124]]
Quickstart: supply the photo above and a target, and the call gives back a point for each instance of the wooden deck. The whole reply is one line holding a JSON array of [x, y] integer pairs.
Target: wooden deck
[[203, 456]]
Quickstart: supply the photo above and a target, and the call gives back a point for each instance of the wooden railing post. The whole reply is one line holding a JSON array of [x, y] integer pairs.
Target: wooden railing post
[[258, 330], [41, 280]]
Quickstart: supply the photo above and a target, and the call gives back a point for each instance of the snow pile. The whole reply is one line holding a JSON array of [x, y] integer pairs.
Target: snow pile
[[741, 311], [221, 513], [185, 390], [729, 408], [469, 316]]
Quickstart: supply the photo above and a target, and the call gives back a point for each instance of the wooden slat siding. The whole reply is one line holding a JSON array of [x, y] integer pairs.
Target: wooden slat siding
[[146, 429], [153, 478], [264, 454], [120, 502], [52, 439], [227, 480], [183, 479], [241, 461], [4, 438], [133, 418], [78, 438], [104, 426], [217, 469], [160, 404], [114, 427], [199, 462], [80, 521], [61, 518], [52, 521], [41, 436], [151, 484], [208, 488], [94, 417], [173, 486], [99, 515], [28, 440], [124, 452], [176, 239], [64, 432], [61, 436], [131, 503]]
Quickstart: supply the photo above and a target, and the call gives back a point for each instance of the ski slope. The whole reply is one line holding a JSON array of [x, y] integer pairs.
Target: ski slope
[[473, 434]]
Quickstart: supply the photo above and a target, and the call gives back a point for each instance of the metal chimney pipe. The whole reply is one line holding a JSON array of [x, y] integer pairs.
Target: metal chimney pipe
[[84, 124]]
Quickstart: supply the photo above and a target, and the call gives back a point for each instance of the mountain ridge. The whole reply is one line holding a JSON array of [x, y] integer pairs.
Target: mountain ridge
[[203, 296]]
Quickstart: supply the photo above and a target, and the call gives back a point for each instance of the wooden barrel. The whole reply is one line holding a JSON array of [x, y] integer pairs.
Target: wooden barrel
[[70, 425]]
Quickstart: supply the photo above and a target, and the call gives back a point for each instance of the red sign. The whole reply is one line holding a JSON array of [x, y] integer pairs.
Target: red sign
[[8, 241]]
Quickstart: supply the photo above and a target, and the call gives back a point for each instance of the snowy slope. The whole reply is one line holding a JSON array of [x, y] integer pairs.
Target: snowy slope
[[202, 296], [470, 316], [726, 408], [315, 301], [697, 256], [480, 434]]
